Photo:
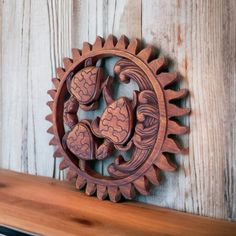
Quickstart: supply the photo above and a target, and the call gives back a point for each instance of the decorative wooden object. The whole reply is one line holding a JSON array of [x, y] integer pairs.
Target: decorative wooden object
[[143, 124]]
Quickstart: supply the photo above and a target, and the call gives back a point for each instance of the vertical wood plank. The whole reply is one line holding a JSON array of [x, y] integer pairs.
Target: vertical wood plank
[[60, 37], [229, 104], [103, 17], [1, 157], [15, 81], [199, 36], [35, 34]]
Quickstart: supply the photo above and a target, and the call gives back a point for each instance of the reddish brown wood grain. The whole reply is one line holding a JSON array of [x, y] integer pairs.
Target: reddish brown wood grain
[[49, 207]]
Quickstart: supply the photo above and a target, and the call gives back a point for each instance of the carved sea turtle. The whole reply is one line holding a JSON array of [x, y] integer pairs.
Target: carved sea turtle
[[86, 85], [115, 124]]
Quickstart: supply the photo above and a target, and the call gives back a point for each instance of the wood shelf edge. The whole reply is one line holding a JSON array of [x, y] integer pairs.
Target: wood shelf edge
[[51, 207]]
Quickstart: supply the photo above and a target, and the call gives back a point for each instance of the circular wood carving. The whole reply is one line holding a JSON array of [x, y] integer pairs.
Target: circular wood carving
[[142, 125]]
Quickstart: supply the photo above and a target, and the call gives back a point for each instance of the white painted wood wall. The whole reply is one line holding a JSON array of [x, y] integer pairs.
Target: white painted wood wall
[[198, 36]]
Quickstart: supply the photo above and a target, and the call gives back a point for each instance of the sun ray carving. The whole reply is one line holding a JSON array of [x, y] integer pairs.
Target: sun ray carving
[[143, 124]]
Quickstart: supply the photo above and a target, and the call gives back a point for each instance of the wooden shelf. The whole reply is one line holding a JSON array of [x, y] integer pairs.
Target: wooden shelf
[[50, 207]]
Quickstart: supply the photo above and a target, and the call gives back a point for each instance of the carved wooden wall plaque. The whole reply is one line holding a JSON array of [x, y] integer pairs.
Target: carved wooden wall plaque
[[143, 125]]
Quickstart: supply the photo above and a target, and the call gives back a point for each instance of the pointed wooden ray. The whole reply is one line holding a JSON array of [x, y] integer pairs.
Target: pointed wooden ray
[[153, 175], [71, 174], [52, 93], [56, 82], [76, 54], [53, 141], [167, 78], [114, 193], [82, 165], [146, 54], [142, 185], [98, 44], [50, 104], [86, 48], [134, 46], [127, 191], [174, 110], [165, 164], [80, 182], [67, 63], [157, 65], [60, 72], [63, 165], [50, 130], [110, 42], [123, 42], [90, 189], [171, 146], [49, 118], [58, 153], [175, 128], [102, 192], [172, 94]]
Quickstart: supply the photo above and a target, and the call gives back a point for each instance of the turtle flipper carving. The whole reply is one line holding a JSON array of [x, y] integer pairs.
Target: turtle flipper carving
[[143, 126], [105, 150]]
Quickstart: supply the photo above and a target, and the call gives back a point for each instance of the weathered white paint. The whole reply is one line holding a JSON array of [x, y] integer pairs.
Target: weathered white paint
[[199, 37], [35, 35]]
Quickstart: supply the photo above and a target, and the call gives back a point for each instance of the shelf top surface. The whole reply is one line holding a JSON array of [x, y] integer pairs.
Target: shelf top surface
[[51, 207]]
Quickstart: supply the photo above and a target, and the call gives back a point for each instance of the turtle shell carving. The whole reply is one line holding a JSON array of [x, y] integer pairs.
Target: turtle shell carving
[[80, 142], [85, 85], [117, 121]]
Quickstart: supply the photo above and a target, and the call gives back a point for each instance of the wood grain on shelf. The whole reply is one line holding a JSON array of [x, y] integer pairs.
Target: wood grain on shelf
[[50, 207]]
